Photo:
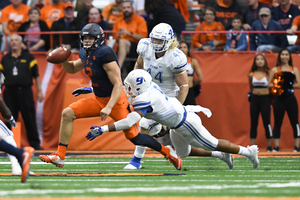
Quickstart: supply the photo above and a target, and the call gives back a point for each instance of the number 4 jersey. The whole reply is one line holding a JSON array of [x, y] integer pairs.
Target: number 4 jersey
[[162, 69]]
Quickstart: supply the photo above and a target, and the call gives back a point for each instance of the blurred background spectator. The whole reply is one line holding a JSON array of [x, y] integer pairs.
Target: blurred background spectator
[[265, 41], [236, 41], [115, 12], [34, 41], [251, 13], [106, 12], [96, 17], [138, 6], [67, 23], [295, 27], [130, 29], [285, 13], [209, 41], [225, 11], [159, 11], [194, 73], [52, 12], [12, 17], [83, 12]]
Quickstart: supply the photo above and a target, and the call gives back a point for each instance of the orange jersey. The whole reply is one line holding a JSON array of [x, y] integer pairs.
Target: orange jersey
[[106, 11], [51, 13], [202, 38], [296, 22], [181, 5], [266, 2], [113, 17], [91, 107], [14, 17], [136, 25]]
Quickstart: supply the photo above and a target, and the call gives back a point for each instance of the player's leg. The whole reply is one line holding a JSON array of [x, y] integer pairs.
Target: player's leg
[[7, 135], [148, 127], [88, 107], [123, 50], [23, 155], [120, 111], [198, 136]]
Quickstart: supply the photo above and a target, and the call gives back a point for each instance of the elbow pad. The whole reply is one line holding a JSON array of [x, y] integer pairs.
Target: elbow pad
[[129, 121]]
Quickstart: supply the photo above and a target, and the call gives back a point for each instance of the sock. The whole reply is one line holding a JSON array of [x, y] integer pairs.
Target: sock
[[139, 151], [244, 151], [10, 140], [164, 151], [61, 151], [217, 154], [8, 148]]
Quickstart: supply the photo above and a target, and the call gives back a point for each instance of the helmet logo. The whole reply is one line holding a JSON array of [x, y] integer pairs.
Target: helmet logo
[[139, 80]]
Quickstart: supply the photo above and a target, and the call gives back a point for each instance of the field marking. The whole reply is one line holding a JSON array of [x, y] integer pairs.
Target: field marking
[[98, 174], [148, 189], [163, 198]]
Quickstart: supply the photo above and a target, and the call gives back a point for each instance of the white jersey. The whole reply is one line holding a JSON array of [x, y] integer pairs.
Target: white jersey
[[165, 110], [186, 126], [162, 69]]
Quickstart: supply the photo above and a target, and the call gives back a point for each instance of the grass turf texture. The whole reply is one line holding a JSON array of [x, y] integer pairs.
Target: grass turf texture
[[275, 177]]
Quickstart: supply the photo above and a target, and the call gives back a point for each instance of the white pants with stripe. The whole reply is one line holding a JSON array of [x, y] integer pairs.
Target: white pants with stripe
[[192, 133]]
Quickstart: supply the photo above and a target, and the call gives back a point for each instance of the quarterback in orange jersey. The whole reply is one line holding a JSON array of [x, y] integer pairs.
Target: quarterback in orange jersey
[[101, 65]]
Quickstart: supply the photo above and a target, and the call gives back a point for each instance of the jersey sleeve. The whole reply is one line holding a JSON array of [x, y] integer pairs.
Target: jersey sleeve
[[107, 55], [178, 61], [141, 102], [143, 45]]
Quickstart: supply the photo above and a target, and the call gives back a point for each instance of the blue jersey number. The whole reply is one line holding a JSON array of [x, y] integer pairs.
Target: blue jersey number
[[158, 76], [139, 80]]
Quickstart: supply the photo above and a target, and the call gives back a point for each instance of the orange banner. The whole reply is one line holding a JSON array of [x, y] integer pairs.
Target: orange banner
[[224, 91]]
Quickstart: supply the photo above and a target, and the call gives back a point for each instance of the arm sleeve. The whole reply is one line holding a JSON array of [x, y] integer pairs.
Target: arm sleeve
[[129, 121]]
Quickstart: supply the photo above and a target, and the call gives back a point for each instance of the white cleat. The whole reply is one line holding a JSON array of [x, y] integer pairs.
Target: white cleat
[[228, 159], [253, 157], [130, 166], [54, 159], [17, 170]]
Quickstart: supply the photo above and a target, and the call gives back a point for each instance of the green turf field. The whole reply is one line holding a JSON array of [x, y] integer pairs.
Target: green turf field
[[275, 177]]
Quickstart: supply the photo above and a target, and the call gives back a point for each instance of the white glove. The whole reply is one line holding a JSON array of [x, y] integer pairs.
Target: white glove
[[198, 108]]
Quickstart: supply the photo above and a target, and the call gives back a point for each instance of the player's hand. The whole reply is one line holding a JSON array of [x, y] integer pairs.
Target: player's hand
[[162, 133], [83, 90], [12, 121], [97, 131]]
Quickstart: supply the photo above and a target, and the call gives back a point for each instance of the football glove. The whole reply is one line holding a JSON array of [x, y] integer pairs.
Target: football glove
[[12, 121], [97, 131], [83, 90]]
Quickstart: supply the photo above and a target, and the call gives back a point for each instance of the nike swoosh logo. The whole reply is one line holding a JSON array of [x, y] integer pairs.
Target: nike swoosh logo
[[25, 157]]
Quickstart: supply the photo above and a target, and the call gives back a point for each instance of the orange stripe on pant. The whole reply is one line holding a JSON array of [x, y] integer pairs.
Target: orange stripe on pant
[[91, 107]]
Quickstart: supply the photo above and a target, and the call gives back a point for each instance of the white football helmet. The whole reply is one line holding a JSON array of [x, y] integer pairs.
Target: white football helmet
[[163, 32], [137, 82]]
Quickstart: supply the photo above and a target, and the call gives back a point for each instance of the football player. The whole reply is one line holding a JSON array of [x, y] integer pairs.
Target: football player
[[185, 125], [161, 58], [101, 65], [8, 136]]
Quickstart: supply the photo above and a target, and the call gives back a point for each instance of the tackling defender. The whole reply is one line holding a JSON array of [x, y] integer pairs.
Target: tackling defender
[[150, 101], [101, 65], [161, 58]]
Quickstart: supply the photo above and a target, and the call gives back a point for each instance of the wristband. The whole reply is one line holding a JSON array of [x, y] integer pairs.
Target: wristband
[[104, 128]]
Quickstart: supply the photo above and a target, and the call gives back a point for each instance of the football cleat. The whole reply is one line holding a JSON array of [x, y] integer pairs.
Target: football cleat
[[228, 159], [253, 157], [54, 159], [17, 170], [27, 156], [130, 166], [174, 158], [135, 163]]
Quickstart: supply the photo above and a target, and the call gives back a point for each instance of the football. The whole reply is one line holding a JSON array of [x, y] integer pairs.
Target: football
[[58, 55]]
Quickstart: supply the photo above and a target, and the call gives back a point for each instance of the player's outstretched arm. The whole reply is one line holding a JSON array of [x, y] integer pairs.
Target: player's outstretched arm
[[122, 124]]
